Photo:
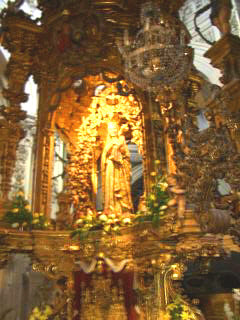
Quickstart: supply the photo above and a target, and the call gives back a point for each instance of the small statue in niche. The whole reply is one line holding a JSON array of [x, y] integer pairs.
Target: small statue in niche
[[64, 41], [221, 14], [116, 171], [63, 217], [178, 196], [142, 206]]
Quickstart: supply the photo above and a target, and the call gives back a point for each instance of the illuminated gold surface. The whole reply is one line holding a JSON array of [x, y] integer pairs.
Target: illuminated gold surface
[[81, 118], [116, 171], [148, 251], [88, 141]]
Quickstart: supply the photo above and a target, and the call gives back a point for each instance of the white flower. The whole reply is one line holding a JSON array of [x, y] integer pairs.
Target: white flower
[[103, 218], [163, 207], [88, 218], [228, 311], [163, 185], [126, 220], [15, 225], [236, 294]]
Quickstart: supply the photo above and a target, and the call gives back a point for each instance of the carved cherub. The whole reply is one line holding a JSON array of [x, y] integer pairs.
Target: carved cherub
[[221, 14], [178, 196]]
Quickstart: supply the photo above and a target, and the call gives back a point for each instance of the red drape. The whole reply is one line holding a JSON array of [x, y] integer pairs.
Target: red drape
[[127, 281]]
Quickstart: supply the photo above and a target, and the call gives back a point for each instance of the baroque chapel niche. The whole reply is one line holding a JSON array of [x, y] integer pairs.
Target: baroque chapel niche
[[92, 114]]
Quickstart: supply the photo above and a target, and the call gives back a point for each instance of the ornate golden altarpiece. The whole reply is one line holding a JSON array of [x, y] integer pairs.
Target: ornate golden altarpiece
[[71, 52]]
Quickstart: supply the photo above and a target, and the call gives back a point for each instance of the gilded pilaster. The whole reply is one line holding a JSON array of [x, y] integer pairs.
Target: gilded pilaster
[[225, 55], [44, 143], [154, 139], [10, 135], [43, 174], [149, 145]]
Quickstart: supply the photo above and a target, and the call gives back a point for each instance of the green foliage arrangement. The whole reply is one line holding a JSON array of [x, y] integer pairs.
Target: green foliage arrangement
[[18, 213], [156, 203], [178, 310], [108, 222], [42, 313], [39, 221], [19, 216]]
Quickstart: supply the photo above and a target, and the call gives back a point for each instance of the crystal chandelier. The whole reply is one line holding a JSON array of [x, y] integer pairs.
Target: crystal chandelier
[[158, 56]]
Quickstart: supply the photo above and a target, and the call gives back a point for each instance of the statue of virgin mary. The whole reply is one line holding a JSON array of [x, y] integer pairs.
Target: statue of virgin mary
[[116, 171]]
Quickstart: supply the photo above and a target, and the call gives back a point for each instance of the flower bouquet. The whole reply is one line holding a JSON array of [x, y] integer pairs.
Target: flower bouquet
[[156, 202], [41, 313], [18, 214], [179, 311], [39, 221], [108, 222], [227, 309]]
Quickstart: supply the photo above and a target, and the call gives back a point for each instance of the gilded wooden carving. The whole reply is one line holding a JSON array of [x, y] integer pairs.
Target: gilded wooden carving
[[83, 95]]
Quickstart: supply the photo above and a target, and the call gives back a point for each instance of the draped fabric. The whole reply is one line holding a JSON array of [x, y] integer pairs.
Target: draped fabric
[[114, 266], [85, 279]]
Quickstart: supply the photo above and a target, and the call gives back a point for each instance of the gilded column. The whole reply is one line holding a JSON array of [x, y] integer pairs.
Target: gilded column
[[20, 39]]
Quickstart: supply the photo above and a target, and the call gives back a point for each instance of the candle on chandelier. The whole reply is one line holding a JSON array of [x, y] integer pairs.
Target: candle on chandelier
[[126, 38]]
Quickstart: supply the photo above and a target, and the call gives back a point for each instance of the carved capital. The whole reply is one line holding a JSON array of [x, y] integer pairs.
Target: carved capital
[[14, 114]]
